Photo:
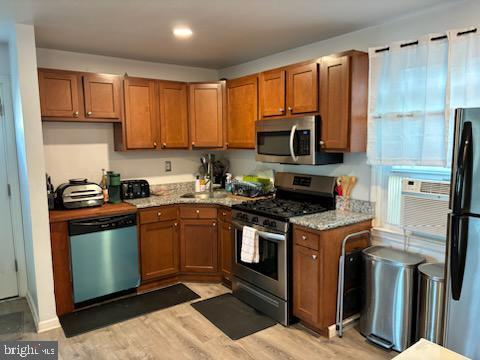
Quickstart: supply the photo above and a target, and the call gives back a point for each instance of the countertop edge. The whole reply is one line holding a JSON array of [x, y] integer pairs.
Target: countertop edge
[[56, 216]]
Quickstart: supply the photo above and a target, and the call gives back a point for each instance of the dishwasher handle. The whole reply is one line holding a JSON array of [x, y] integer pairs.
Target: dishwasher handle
[[86, 226]]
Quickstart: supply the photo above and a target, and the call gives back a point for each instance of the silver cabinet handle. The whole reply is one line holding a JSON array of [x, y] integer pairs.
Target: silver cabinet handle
[[292, 137], [314, 257]]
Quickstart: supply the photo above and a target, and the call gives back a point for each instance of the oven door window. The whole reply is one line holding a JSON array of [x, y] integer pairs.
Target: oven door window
[[268, 255], [277, 143]]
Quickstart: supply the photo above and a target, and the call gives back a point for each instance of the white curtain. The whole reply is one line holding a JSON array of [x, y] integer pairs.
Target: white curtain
[[406, 121]]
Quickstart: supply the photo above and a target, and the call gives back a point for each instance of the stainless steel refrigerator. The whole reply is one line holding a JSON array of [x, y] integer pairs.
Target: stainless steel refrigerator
[[462, 317]]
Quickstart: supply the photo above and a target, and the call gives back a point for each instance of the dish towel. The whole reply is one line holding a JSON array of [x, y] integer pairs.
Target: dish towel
[[249, 253]]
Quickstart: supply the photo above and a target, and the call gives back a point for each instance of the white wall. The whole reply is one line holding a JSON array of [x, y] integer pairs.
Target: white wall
[[28, 131], [464, 13], [90, 146]]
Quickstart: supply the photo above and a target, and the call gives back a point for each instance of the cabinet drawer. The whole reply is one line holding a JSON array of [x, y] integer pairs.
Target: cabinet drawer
[[225, 215], [306, 238], [198, 213], [158, 214]]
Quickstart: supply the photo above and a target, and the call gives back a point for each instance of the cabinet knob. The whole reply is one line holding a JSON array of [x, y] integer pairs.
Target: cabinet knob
[[193, 144], [198, 211], [164, 145], [226, 145], [159, 214], [322, 143], [154, 144], [89, 113], [314, 257], [229, 228], [214, 224], [304, 237], [224, 213], [75, 113], [290, 108], [280, 110], [175, 224]]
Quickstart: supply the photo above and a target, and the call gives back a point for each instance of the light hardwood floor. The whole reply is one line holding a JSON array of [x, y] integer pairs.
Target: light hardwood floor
[[180, 332]]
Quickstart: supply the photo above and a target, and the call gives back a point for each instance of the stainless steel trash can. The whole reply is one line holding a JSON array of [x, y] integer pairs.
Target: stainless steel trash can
[[430, 302], [387, 317]]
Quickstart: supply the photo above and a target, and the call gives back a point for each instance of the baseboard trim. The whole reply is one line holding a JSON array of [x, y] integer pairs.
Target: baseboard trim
[[347, 323], [44, 325]]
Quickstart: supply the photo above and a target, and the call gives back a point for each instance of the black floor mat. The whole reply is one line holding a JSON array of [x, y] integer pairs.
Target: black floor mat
[[235, 318], [123, 309]]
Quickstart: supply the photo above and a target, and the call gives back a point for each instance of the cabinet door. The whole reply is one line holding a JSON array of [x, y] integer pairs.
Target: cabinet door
[[173, 115], [272, 93], [302, 89], [102, 96], [335, 102], [242, 112], [141, 109], [206, 115], [306, 280], [59, 94], [159, 249], [198, 246], [226, 249]]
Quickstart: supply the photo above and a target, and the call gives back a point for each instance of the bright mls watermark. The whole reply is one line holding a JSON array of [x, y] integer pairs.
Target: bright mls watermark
[[38, 350]]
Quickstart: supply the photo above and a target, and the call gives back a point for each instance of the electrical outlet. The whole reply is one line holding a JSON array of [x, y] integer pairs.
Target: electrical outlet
[[168, 166]]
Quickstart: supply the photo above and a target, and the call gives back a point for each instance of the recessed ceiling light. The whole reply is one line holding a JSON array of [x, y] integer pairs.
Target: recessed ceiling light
[[182, 32]]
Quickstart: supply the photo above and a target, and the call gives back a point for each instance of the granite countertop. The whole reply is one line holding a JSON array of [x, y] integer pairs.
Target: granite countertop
[[172, 199], [331, 219]]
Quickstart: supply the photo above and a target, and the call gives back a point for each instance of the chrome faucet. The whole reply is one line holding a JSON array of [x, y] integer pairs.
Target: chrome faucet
[[210, 162]]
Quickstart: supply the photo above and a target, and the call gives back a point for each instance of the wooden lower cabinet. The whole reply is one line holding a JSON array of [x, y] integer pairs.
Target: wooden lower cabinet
[[159, 246], [305, 273], [226, 242], [315, 272], [198, 246]]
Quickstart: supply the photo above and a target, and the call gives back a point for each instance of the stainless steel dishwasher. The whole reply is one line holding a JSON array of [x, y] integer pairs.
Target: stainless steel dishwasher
[[104, 256]]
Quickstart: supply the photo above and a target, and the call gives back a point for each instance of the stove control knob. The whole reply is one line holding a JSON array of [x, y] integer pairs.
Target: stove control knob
[[255, 219]]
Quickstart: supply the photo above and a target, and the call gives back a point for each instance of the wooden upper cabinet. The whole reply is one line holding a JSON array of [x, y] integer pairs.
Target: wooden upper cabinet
[[206, 115], [159, 242], [102, 95], [59, 95], [302, 88], [343, 101], [173, 114], [141, 119], [272, 93], [242, 112]]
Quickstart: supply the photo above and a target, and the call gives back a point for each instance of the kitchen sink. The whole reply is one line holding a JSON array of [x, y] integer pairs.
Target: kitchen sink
[[206, 195]]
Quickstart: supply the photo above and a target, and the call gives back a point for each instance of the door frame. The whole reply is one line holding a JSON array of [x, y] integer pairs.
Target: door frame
[[13, 180]]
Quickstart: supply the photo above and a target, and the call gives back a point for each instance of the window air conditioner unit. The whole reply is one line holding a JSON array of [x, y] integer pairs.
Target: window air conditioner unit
[[424, 207]]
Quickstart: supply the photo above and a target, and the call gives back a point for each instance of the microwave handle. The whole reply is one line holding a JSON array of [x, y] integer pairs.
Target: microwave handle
[[292, 137]]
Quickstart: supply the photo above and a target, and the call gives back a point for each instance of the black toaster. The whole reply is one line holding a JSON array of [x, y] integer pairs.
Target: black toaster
[[134, 189]]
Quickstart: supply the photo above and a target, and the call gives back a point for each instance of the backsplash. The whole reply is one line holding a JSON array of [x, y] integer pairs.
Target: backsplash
[[361, 206]]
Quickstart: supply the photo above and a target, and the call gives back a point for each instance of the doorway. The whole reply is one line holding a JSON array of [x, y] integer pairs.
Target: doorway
[[8, 263]]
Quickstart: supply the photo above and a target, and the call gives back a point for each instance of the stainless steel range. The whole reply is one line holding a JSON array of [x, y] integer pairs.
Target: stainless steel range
[[266, 285]]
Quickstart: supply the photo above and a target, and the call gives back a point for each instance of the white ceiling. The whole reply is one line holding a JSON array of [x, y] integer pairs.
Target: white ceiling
[[226, 32]]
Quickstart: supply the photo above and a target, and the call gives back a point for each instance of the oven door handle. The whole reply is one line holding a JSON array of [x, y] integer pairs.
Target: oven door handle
[[264, 234], [292, 138]]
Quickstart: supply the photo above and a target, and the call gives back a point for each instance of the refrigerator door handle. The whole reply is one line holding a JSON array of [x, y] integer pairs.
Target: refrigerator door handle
[[458, 253], [462, 191]]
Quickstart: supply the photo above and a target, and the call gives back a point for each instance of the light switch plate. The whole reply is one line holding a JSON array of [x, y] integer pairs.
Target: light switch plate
[[168, 166]]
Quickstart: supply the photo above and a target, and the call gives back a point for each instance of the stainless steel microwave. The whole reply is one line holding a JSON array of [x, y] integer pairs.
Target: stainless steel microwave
[[292, 141]]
